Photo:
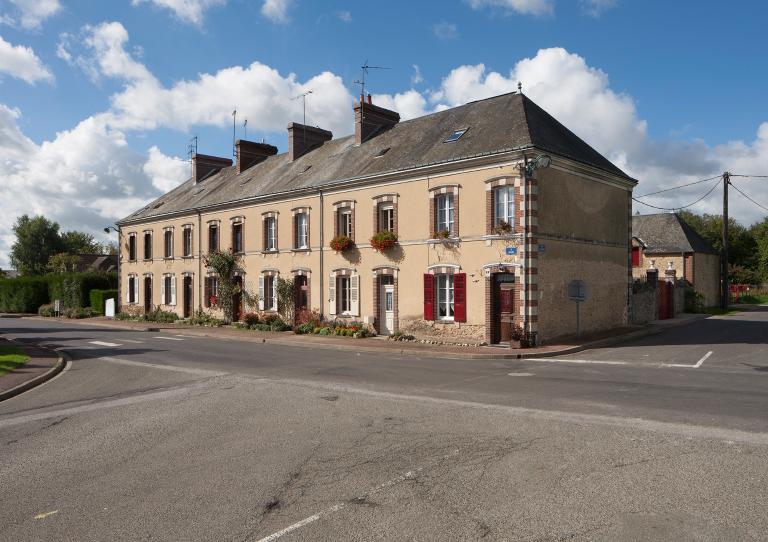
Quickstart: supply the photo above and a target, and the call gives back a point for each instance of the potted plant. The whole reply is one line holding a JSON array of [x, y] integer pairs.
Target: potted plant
[[502, 228], [384, 240], [443, 234], [340, 243], [517, 336]]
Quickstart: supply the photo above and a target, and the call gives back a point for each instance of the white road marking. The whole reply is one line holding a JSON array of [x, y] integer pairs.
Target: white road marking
[[189, 370], [519, 374], [191, 336], [410, 475], [46, 514], [562, 360], [132, 341], [103, 343], [169, 338], [694, 366]]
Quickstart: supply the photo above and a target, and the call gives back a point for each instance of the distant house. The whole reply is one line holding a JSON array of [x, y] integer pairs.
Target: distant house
[[97, 262], [664, 238]]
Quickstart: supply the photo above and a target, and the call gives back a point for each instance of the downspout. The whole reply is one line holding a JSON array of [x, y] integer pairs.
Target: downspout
[[119, 278], [526, 244], [199, 261], [322, 246]]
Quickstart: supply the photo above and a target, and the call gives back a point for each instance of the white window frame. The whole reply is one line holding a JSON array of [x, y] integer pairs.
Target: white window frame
[[386, 217], [187, 232], [168, 247], [241, 248], [133, 241], [445, 212], [344, 295], [268, 292], [444, 297], [345, 221], [302, 230], [504, 205], [270, 223]]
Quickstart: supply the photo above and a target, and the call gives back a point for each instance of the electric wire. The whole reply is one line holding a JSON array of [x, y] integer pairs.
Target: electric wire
[[682, 206], [680, 186], [751, 176], [746, 196]]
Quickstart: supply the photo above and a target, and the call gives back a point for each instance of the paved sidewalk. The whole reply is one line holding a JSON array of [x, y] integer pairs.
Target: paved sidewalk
[[398, 348], [35, 371]]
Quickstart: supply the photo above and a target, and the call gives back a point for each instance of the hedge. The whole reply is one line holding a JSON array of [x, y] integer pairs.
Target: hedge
[[23, 294], [99, 299], [73, 289]]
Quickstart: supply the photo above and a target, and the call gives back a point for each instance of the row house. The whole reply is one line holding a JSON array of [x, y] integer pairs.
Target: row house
[[495, 205]]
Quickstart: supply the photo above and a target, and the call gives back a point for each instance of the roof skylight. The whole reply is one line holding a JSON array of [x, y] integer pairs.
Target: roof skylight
[[382, 152], [455, 135]]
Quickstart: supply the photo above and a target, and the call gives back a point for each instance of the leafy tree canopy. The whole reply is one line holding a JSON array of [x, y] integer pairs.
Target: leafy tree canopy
[[37, 239]]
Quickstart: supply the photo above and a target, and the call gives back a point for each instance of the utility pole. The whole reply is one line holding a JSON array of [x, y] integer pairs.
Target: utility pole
[[725, 294]]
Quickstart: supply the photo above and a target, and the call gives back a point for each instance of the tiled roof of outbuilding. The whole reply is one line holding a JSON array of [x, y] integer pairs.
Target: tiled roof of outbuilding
[[498, 124], [666, 233]]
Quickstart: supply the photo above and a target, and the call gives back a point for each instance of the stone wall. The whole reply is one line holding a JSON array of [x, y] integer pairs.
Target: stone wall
[[643, 307], [450, 332]]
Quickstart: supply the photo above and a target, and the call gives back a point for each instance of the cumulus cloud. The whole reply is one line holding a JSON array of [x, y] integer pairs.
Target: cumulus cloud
[[276, 10], [30, 14], [345, 16], [188, 11], [416, 78], [166, 172], [22, 63], [523, 7]]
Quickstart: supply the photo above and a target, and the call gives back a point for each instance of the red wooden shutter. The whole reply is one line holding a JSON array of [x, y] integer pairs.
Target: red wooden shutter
[[635, 256], [429, 296], [460, 297]]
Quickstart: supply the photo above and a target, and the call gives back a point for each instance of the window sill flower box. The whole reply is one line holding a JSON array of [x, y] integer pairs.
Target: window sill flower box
[[383, 241], [340, 243]]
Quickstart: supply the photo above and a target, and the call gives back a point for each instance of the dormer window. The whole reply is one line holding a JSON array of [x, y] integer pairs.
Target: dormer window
[[455, 135]]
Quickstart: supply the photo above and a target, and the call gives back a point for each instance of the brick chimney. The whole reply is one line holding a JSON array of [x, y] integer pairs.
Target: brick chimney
[[204, 165], [250, 153], [302, 139], [371, 120]]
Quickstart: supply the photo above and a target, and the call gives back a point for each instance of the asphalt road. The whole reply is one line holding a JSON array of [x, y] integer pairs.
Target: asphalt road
[[164, 436]]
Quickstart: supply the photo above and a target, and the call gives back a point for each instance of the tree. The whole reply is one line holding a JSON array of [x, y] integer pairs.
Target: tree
[[63, 262], [225, 265], [759, 232], [286, 300], [77, 242], [37, 239]]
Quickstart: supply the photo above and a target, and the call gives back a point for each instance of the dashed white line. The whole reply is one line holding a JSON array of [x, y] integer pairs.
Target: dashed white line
[[562, 360], [410, 475], [132, 341], [103, 343], [169, 338], [698, 364], [189, 370]]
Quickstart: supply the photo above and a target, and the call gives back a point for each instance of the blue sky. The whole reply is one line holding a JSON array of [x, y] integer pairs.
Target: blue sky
[[99, 99]]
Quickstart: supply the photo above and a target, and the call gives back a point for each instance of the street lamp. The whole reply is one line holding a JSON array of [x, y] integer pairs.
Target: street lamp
[[540, 162]]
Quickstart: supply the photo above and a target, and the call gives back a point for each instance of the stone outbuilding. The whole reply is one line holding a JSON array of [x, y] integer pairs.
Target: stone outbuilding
[[666, 238]]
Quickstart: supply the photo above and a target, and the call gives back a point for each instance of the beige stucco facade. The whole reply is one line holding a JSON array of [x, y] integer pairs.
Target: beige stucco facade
[[571, 222]]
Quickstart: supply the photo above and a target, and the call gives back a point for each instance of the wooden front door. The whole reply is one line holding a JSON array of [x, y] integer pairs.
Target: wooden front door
[[187, 290], [301, 293], [147, 294], [504, 306], [237, 300]]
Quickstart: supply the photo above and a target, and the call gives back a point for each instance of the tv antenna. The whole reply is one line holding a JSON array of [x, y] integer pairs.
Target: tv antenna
[[234, 132], [245, 129], [192, 148], [364, 69], [303, 97]]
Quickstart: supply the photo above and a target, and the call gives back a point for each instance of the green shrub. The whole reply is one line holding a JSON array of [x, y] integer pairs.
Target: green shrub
[[694, 301], [325, 331], [23, 294], [250, 319], [202, 318], [78, 312], [305, 329], [73, 289], [99, 299], [46, 310], [279, 326], [161, 317]]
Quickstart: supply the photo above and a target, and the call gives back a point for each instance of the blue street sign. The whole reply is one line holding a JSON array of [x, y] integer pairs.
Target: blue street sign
[[542, 247], [511, 251]]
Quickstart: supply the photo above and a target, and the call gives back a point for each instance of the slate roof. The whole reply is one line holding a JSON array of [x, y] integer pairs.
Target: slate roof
[[502, 123], [667, 232]]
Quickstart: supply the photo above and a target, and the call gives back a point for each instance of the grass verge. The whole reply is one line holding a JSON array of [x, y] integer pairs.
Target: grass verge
[[753, 299], [11, 357]]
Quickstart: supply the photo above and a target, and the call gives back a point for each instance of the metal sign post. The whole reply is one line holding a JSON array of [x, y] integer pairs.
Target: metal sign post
[[577, 291]]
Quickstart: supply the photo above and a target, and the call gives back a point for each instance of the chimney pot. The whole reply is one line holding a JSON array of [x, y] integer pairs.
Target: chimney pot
[[370, 100]]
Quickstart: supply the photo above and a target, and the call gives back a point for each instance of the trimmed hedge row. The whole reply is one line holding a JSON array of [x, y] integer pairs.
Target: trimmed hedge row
[[27, 294], [24, 294], [99, 299]]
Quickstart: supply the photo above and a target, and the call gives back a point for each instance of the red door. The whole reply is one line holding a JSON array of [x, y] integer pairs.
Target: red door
[[665, 300], [504, 306]]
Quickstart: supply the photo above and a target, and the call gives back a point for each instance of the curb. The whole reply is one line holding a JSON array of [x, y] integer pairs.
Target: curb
[[39, 379]]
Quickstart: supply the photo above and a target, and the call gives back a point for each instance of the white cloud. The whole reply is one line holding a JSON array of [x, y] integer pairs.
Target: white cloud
[[524, 7], [595, 8], [345, 16], [276, 10], [188, 11], [445, 31], [31, 13], [22, 62], [416, 78], [166, 172], [409, 104]]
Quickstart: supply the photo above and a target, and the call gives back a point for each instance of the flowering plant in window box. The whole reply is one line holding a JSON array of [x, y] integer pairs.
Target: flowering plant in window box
[[340, 243], [503, 228], [443, 234], [214, 301], [384, 240]]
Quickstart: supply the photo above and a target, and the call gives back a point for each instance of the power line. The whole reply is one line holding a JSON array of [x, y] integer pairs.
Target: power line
[[683, 206], [679, 186], [752, 176], [746, 196]]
